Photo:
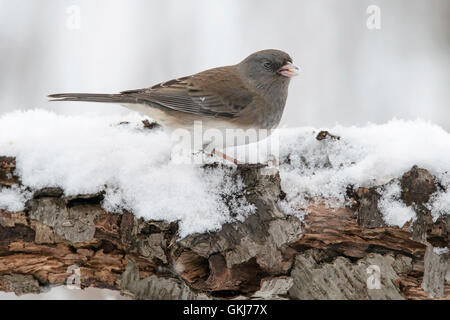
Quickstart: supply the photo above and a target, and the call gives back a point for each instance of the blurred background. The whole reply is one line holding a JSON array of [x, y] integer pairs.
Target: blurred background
[[351, 74]]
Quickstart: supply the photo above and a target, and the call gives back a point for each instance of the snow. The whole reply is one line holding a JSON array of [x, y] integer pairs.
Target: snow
[[83, 154], [64, 293], [440, 251], [439, 204], [394, 211], [136, 169], [13, 199]]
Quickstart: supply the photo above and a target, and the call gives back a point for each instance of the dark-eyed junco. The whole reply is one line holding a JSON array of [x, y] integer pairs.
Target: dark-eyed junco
[[249, 95]]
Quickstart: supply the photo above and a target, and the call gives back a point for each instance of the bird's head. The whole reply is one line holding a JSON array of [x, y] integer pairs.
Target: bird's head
[[268, 66]]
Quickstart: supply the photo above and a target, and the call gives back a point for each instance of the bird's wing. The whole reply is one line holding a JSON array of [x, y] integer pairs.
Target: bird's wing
[[215, 92]]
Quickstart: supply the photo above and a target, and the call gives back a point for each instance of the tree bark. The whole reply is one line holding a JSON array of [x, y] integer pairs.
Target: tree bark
[[345, 253]]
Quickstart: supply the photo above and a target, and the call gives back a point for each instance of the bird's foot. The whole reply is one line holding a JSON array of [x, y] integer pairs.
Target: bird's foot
[[226, 157]]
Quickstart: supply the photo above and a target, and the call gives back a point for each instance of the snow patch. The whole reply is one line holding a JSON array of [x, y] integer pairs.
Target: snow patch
[[440, 251]]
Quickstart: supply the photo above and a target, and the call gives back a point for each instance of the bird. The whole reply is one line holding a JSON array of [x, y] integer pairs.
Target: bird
[[250, 95]]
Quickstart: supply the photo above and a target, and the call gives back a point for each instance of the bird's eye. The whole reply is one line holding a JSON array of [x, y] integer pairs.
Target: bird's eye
[[267, 64]]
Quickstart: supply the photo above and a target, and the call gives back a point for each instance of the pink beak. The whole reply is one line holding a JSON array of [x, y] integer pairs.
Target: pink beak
[[289, 70]]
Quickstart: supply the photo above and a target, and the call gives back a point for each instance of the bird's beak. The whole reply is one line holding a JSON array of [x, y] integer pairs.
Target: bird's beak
[[289, 70]]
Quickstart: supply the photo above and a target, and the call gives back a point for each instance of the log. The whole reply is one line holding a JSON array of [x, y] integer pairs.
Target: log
[[343, 253]]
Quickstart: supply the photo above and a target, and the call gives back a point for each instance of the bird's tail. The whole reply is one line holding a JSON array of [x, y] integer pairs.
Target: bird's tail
[[93, 97]]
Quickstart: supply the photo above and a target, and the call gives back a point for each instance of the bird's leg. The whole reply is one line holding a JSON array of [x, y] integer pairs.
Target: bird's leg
[[225, 157]]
